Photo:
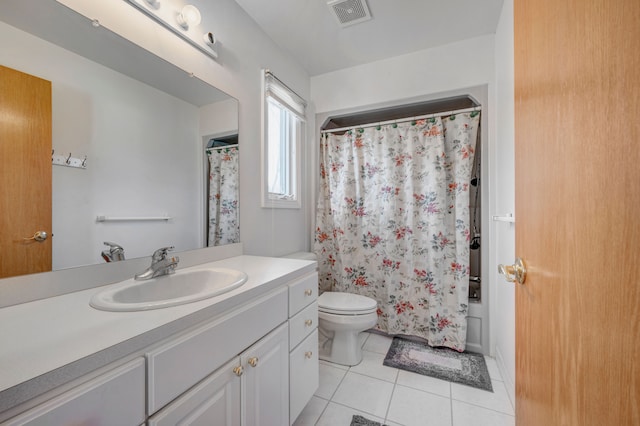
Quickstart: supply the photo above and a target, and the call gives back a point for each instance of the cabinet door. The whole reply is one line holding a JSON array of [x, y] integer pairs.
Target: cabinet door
[[265, 382], [304, 374], [214, 401]]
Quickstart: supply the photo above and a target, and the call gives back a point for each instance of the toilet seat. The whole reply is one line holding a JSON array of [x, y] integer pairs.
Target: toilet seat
[[338, 303]]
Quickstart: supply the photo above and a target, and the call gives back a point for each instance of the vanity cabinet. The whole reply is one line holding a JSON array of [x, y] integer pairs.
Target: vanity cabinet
[[182, 362], [267, 384], [252, 390], [112, 398], [303, 343], [253, 363]]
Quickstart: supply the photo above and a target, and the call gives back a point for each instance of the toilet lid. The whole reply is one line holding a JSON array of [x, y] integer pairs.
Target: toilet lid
[[346, 303]]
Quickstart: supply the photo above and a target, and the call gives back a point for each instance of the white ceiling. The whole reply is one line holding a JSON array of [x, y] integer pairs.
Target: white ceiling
[[311, 33]]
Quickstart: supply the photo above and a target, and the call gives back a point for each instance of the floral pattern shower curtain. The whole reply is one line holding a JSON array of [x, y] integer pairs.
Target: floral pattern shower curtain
[[224, 221], [393, 223]]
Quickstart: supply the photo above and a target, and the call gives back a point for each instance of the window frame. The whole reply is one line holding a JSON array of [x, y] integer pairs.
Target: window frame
[[273, 90]]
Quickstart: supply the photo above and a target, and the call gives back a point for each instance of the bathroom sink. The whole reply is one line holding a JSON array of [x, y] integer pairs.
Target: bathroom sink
[[184, 286]]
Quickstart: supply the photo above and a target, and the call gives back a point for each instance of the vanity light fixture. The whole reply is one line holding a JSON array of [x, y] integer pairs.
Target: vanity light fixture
[[183, 21], [153, 3], [189, 15]]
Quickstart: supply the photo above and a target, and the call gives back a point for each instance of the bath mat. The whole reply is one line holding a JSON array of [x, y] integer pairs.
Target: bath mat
[[361, 421], [466, 368]]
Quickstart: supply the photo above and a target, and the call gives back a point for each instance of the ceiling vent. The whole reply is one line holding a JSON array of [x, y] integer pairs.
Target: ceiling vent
[[350, 12]]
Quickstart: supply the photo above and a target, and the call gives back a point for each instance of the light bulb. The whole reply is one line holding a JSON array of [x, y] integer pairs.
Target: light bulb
[[189, 15]]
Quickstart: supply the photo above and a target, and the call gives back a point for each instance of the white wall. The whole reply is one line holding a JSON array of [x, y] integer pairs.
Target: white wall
[[140, 145], [461, 68], [451, 67], [503, 301], [219, 118], [244, 49]]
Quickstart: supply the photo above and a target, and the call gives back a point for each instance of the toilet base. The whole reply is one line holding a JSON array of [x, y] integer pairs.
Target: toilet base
[[343, 349]]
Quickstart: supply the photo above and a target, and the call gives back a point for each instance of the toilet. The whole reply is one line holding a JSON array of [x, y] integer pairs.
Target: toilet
[[342, 317]]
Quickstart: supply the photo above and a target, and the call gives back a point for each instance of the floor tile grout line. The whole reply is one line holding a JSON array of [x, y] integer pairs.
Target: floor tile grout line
[[323, 410], [481, 406], [395, 383], [352, 408], [371, 377], [451, 403], [357, 409], [426, 391], [339, 383]]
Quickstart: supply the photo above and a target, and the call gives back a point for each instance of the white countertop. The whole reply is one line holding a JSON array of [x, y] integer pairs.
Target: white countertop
[[39, 337]]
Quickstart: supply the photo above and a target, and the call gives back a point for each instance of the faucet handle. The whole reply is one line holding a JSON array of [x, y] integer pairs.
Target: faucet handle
[[161, 253], [113, 246]]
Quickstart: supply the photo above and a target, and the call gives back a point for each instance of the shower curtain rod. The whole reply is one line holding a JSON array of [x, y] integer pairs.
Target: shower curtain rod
[[402, 120], [235, 145]]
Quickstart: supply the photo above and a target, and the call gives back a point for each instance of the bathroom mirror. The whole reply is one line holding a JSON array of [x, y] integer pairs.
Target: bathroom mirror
[[142, 124]]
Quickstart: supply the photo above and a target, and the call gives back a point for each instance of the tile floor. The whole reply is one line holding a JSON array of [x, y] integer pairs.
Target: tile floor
[[401, 398]]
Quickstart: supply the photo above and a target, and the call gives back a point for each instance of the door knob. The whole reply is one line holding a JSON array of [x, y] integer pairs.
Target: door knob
[[253, 361], [514, 273], [238, 371], [39, 236]]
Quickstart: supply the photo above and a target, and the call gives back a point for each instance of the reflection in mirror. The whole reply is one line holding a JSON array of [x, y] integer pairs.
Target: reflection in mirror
[[223, 190], [142, 124]]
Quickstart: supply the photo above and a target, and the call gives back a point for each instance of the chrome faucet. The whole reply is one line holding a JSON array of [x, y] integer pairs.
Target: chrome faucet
[[114, 254], [161, 264]]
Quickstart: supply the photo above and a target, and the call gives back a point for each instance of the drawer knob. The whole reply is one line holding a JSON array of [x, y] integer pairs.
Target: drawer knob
[[238, 370], [253, 361], [308, 292], [308, 323], [308, 354]]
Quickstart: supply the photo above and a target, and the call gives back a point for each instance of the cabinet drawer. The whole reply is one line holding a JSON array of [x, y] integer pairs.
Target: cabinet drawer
[[183, 362], [113, 398], [302, 324], [302, 292], [303, 374]]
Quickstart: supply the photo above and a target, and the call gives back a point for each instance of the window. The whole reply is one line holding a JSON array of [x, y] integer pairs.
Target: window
[[283, 136]]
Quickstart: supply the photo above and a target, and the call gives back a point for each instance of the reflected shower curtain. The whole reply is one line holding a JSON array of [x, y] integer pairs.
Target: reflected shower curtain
[[393, 223], [224, 221]]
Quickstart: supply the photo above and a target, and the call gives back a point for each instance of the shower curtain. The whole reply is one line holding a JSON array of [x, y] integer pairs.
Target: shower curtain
[[224, 223], [393, 222]]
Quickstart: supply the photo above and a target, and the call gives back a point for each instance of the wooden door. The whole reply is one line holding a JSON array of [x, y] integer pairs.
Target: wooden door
[[25, 172], [577, 89]]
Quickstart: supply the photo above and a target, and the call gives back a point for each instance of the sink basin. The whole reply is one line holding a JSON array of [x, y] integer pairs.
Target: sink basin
[[184, 286]]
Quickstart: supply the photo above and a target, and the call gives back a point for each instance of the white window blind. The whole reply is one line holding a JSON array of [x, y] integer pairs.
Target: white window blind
[[279, 91]]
